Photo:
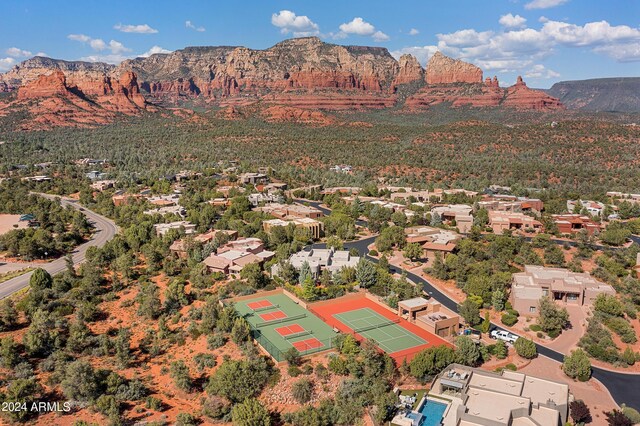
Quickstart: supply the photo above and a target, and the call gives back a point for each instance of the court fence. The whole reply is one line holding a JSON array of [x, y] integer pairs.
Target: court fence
[[279, 355]]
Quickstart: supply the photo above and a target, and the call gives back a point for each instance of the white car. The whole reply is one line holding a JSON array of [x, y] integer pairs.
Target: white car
[[504, 335]]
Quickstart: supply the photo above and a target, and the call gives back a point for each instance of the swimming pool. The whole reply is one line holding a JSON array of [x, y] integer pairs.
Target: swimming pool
[[432, 412]]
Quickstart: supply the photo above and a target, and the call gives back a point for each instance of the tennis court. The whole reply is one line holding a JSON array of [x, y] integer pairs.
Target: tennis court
[[389, 336], [365, 319], [278, 323]]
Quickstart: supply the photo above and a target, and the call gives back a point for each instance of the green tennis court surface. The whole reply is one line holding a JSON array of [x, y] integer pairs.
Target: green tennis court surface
[[388, 335], [279, 323]]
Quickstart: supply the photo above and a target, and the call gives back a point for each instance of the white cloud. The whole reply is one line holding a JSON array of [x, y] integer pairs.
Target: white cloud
[[540, 71], [289, 22], [358, 26], [17, 53], [108, 58], [421, 53], [6, 63], [154, 50], [380, 36], [191, 26], [138, 29], [97, 44], [413, 32], [79, 37], [115, 48], [544, 4], [510, 21], [43, 54], [592, 33]]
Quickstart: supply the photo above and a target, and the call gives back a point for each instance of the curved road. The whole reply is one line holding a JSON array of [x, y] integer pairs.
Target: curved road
[[622, 386], [104, 230]]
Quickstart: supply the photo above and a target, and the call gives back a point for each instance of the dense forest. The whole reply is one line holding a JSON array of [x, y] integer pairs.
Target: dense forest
[[590, 156]]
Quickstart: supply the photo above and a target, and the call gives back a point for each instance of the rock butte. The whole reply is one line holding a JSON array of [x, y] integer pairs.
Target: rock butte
[[301, 73]]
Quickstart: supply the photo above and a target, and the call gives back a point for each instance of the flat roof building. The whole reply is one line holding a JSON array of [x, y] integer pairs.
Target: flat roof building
[[558, 284], [509, 398], [163, 228], [320, 259], [501, 221], [460, 214], [293, 210], [314, 226], [574, 223]]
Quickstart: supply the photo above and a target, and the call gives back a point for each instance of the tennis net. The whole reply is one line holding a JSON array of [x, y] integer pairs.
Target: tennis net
[[265, 308], [375, 326], [298, 334], [279, 320]]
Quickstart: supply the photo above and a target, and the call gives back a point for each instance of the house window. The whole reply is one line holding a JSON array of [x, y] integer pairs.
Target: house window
[[532, 309], [545, 292], [572, 296]]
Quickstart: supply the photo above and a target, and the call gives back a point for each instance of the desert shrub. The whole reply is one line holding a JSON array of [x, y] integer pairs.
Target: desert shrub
[[525, 348], [215, 341], [577, 365], [302, 390], [508, 319]]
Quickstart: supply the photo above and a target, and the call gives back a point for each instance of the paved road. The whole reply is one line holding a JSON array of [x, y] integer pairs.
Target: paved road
[[622, 386], [105, 229]]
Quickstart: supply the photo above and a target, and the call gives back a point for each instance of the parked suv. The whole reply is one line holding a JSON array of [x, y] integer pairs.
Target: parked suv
[[504, 335]]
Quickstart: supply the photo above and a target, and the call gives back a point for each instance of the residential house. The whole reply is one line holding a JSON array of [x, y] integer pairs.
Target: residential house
[[235, 255], [179, 247], [102, 185], [261, 198], [434, 241], [558, 284], [509, 398], [321, 259], [594, 208], [290, 210], [314, 226], [574, 223], [458, 214], [501, 221], [253, 178], [177, 210], [163, 228]]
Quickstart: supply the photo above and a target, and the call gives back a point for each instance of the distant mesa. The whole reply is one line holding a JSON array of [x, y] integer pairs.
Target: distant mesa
[[301, 73]]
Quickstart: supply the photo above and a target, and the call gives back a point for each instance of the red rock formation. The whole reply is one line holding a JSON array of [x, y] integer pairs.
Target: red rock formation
[[279, 113], [409, 71], [521, 97], [352, 100], [476, 95], [444, 70], [54, 84]]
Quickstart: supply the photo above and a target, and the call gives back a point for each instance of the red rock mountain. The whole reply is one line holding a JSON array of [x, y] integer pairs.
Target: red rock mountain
[[300, 73], [52, 101], [442, 69], [457, 83]]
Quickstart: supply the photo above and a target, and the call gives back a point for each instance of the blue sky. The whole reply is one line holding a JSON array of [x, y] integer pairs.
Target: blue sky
[[543, 40]]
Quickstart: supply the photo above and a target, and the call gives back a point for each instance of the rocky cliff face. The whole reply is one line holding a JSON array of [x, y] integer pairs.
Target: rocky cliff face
[[409, 70], [301, 73], [458, 91], [297, 64], [442, 69], [51, 100]]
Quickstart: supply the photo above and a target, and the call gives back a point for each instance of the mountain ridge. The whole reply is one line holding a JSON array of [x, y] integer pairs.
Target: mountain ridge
[[615, 94]]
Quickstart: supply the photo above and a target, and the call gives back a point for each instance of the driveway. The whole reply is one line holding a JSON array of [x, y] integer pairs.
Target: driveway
[[569, 338]]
